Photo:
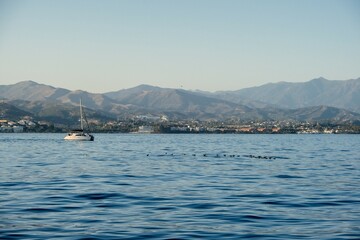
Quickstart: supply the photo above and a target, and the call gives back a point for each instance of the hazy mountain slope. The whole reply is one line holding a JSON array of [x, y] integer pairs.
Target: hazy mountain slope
[[57, 112], [176, 100], [321, 113], [233, 97], [317, 113], [93, 101], [11, 112], [124, 94], [341, 94], [31, 91]]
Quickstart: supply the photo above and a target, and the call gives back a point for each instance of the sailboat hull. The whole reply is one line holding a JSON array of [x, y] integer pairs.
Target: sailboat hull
[[79, 137]]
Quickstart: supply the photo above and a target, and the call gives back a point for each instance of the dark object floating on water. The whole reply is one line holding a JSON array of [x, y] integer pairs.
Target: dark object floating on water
[[225, 155], [260, 157]]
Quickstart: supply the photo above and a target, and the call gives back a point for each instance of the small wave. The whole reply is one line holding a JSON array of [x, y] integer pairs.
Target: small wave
[[201, 205], [111, 205], [13, 184], [42, 210], [253, 217], [90, 238], [286, 204], [130, 176], [235, 218], [166, 208], [348, 201], [16, 236], [303, 204], [69, 208], [322, 204], [56, 197], [287, 176], [97, 196], [258, 195], [86, 176]]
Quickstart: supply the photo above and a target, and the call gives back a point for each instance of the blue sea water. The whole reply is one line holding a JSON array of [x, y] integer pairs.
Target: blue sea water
[[133, 186]]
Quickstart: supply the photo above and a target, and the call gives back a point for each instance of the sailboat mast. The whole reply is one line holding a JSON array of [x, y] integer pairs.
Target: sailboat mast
[[81, 116]]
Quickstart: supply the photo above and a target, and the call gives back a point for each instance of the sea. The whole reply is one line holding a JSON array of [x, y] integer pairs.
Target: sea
[[180, 186]]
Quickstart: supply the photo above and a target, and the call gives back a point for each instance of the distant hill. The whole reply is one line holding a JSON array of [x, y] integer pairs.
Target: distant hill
[[320, 113], [56, 112], [313, 100], [177, 100], [317, 92], [31, 91], [10, 112]]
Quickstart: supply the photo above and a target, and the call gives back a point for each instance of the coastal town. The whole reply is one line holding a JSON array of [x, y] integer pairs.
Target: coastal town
[[153, 124]]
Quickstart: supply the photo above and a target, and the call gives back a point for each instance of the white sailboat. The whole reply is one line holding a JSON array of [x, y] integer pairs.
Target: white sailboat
[[80, 134]]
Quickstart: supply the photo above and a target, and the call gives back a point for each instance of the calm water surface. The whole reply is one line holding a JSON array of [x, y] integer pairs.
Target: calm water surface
[[130, 186]]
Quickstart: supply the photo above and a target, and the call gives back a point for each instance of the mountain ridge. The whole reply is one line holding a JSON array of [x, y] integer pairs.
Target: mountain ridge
[[263, 102], [319, 91]]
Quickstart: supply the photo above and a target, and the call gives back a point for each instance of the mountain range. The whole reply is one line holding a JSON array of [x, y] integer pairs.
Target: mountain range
[[318, 99], [320, 91]]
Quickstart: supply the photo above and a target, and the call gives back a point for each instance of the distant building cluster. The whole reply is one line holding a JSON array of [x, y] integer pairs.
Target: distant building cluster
[[267, 127], [10, 126], [25, 124], [162, 124]]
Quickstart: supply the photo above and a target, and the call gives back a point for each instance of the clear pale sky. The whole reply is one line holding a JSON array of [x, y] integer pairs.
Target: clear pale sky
[[108, 45]]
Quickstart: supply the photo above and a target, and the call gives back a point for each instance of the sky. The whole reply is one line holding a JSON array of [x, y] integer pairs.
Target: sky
[[107, 45]]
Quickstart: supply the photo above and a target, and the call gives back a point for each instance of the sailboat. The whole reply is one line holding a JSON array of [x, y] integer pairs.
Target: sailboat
[[80, 134]]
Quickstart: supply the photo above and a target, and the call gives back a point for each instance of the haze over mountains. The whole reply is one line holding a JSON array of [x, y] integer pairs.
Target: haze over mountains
[[317, 92], [318, 99]]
